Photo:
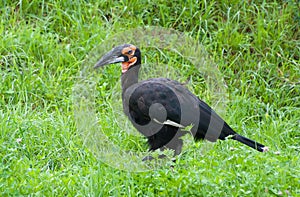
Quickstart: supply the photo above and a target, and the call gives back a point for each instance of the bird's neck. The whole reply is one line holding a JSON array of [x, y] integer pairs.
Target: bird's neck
[[130, 77]]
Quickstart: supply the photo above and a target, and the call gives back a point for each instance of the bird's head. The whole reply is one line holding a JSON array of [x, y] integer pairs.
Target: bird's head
[[128, 54]]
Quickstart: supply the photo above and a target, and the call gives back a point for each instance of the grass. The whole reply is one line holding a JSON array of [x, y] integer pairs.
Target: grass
[[43, 45]]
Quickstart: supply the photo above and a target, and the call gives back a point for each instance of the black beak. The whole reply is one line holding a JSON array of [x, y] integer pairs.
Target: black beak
[[113, 56]]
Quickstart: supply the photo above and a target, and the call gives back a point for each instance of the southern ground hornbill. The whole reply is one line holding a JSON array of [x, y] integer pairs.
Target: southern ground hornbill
[[159, 108]]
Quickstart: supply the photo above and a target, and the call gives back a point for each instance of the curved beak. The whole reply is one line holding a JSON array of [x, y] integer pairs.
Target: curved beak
[[113, 56]]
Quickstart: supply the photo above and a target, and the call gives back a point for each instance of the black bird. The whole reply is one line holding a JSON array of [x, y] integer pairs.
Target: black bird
[[159, 108]]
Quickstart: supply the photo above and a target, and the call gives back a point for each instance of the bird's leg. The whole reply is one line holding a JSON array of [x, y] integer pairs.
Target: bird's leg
[[161, 156], [149, 157]]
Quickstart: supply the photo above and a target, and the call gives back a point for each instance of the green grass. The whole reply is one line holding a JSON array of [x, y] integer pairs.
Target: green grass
[[43, 45]]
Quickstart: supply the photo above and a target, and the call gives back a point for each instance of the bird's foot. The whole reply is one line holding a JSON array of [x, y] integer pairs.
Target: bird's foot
[[148, 158]]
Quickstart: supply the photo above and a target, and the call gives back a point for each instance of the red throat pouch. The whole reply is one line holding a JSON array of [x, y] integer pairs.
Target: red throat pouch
[[125, 66]]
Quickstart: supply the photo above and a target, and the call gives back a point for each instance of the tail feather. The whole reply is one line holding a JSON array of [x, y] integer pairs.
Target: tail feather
[[255, 145]]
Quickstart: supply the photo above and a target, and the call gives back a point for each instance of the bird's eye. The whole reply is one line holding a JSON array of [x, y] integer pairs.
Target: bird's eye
[[129, 52]]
